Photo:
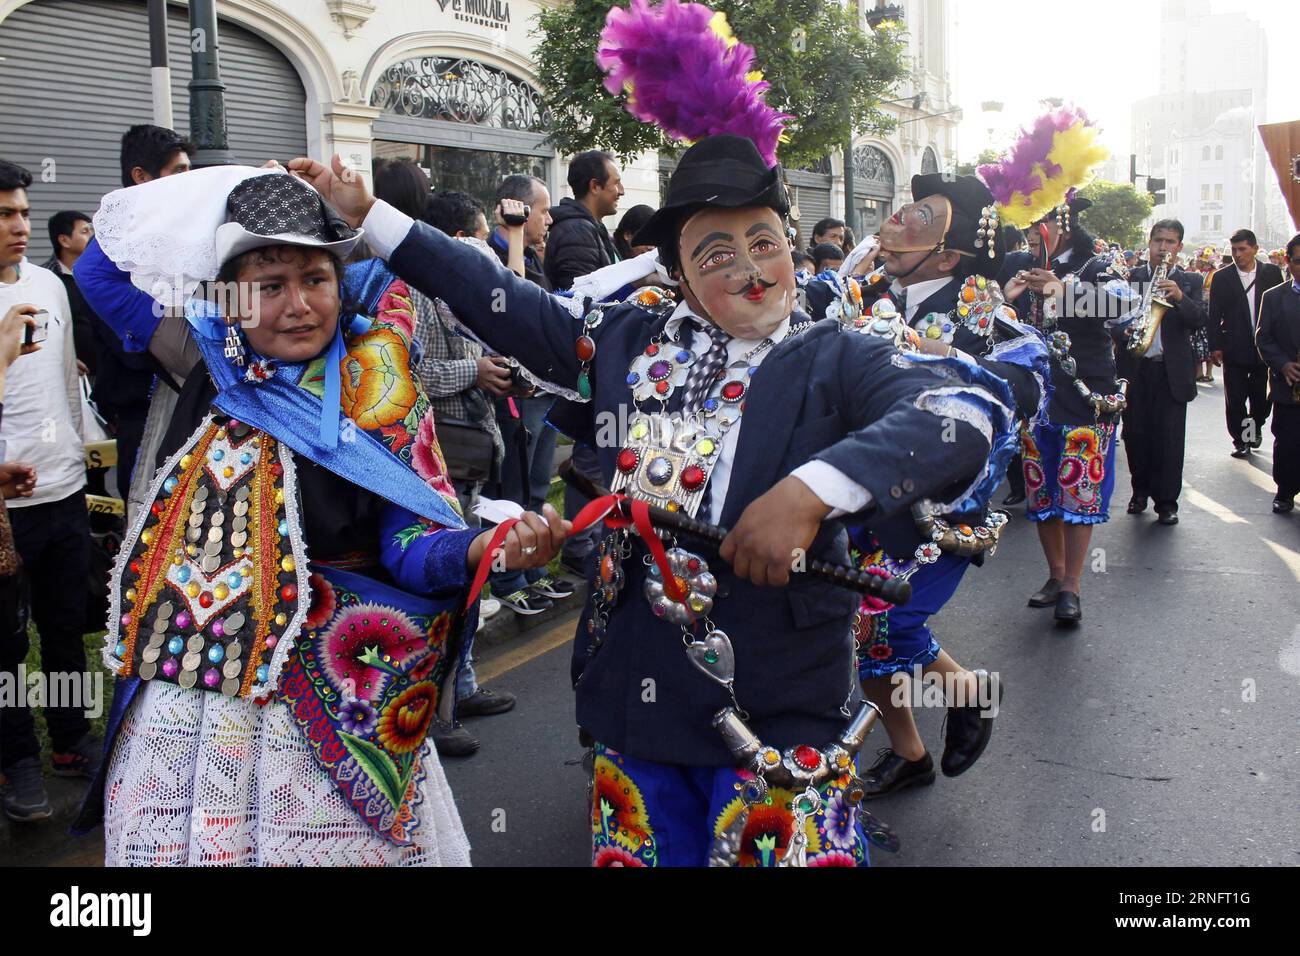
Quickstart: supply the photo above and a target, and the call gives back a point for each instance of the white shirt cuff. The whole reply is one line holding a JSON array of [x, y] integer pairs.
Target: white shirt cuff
[[833, 487], [385, 228]]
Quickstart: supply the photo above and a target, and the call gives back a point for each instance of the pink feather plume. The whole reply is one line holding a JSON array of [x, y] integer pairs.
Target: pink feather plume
[[683, 77]]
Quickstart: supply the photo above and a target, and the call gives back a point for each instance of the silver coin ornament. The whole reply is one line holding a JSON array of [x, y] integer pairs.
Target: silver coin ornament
[[693, 576]]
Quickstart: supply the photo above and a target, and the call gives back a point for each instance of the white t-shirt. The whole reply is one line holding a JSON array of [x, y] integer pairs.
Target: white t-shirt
[[42, 401], [1247, 282]]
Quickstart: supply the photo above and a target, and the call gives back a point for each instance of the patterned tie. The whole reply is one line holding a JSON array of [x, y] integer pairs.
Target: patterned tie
[[706, 368]]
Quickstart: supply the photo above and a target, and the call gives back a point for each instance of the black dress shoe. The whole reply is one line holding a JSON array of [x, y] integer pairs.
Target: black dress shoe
[[1068, 608], [1015, 498], [1282, 506], [452, 740], [969, 729], [485, 703], [892, 772], [1168, 517], [1243, 452], [1046, 595], [1137, 505]]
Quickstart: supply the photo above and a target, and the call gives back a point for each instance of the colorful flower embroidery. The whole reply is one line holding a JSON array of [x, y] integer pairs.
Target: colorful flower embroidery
[[405, 721], [840, 819], [618, 812], [377, 386], [361, 639], [357, 717], [1083, 468], [322, 602], [615, 856]]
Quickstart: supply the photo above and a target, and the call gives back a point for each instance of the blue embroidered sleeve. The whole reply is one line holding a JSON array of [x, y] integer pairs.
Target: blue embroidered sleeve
[[422, 557], [128, 311]]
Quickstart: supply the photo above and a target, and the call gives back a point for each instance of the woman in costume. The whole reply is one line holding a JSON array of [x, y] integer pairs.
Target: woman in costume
[[287, 616], [1061, 288]]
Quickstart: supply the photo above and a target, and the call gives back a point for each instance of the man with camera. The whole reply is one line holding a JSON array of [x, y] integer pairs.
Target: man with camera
[[41, 426]]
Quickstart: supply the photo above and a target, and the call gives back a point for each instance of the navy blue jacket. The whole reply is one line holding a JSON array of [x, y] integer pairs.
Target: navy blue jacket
[[1090, 340], [825, 394]]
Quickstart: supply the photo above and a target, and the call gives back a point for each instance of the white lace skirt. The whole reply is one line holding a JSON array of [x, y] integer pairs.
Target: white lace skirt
[[199, 779]]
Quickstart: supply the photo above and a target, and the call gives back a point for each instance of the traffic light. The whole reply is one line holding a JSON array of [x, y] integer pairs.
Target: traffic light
[[1156, 187]]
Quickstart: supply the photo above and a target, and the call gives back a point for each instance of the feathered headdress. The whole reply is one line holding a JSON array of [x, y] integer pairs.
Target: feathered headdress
[[684, 71], [1054, 156]]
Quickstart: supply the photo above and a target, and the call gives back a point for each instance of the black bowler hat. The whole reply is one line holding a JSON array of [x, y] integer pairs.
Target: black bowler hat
[[722, 170], [975, 228]]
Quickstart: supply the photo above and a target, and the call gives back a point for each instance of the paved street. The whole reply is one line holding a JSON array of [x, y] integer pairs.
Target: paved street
[[1138, 713]]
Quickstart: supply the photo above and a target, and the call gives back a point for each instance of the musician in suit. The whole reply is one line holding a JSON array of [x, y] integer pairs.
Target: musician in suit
[[824, 425], [1163, 381], [1278, 340], [1236, 297]]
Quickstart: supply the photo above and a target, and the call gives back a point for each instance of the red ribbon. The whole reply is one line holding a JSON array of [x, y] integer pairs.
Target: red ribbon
[[605, 508]]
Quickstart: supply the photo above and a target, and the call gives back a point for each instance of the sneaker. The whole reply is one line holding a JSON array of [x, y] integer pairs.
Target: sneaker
[[488, 608], [81, 761], [554, 588], [485, 703], [25, 800], [451, 740], [526, 602]]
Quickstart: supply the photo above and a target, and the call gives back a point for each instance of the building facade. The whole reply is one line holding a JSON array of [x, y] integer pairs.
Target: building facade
[[1198, 133], [448, 83]]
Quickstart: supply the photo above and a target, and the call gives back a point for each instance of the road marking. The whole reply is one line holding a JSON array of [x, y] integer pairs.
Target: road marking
[[1261, 480], [544, 643], [1224, 514], [1290, 558]]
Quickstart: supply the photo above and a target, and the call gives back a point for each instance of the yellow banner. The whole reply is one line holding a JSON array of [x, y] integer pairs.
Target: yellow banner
[[101, 454], [99, 505]]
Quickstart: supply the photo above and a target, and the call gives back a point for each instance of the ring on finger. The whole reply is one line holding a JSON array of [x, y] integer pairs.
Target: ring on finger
[[528, 550]]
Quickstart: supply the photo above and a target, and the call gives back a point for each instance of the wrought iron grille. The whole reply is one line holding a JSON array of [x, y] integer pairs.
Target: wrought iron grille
[[872, 166], [462, 91]]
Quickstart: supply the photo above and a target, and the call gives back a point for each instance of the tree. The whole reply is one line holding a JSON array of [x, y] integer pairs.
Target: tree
[[1117, 213], [989, 155], [824, 70]]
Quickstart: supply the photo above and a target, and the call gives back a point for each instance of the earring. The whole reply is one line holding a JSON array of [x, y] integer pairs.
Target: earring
[[234, 350]]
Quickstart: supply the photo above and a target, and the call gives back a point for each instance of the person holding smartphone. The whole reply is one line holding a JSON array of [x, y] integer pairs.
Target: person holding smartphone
[[41, 426]]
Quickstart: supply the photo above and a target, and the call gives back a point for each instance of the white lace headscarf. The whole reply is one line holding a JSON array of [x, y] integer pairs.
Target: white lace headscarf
[[164, 231]]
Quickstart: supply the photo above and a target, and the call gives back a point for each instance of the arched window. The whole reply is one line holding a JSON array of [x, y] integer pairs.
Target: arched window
[[873, 172], [929, 161], [459, 90]]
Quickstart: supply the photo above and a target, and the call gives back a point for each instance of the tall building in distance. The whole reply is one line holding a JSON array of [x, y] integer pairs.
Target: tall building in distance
[[1198, 133]]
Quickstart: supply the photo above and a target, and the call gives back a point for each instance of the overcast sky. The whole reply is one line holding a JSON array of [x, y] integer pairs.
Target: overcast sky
[[1102, 54]]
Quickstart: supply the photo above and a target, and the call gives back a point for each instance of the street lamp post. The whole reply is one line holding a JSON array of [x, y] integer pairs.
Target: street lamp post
[[207, 92]]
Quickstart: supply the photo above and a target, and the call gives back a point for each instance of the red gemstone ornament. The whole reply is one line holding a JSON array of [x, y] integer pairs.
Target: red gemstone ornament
[[289, 592], [585, 348], [692, 477], [661, 388], [277, 469], [693, 565], [627, 460], [652, 350], [807, 757], [156, 507], [205, 599], [732, 391]]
